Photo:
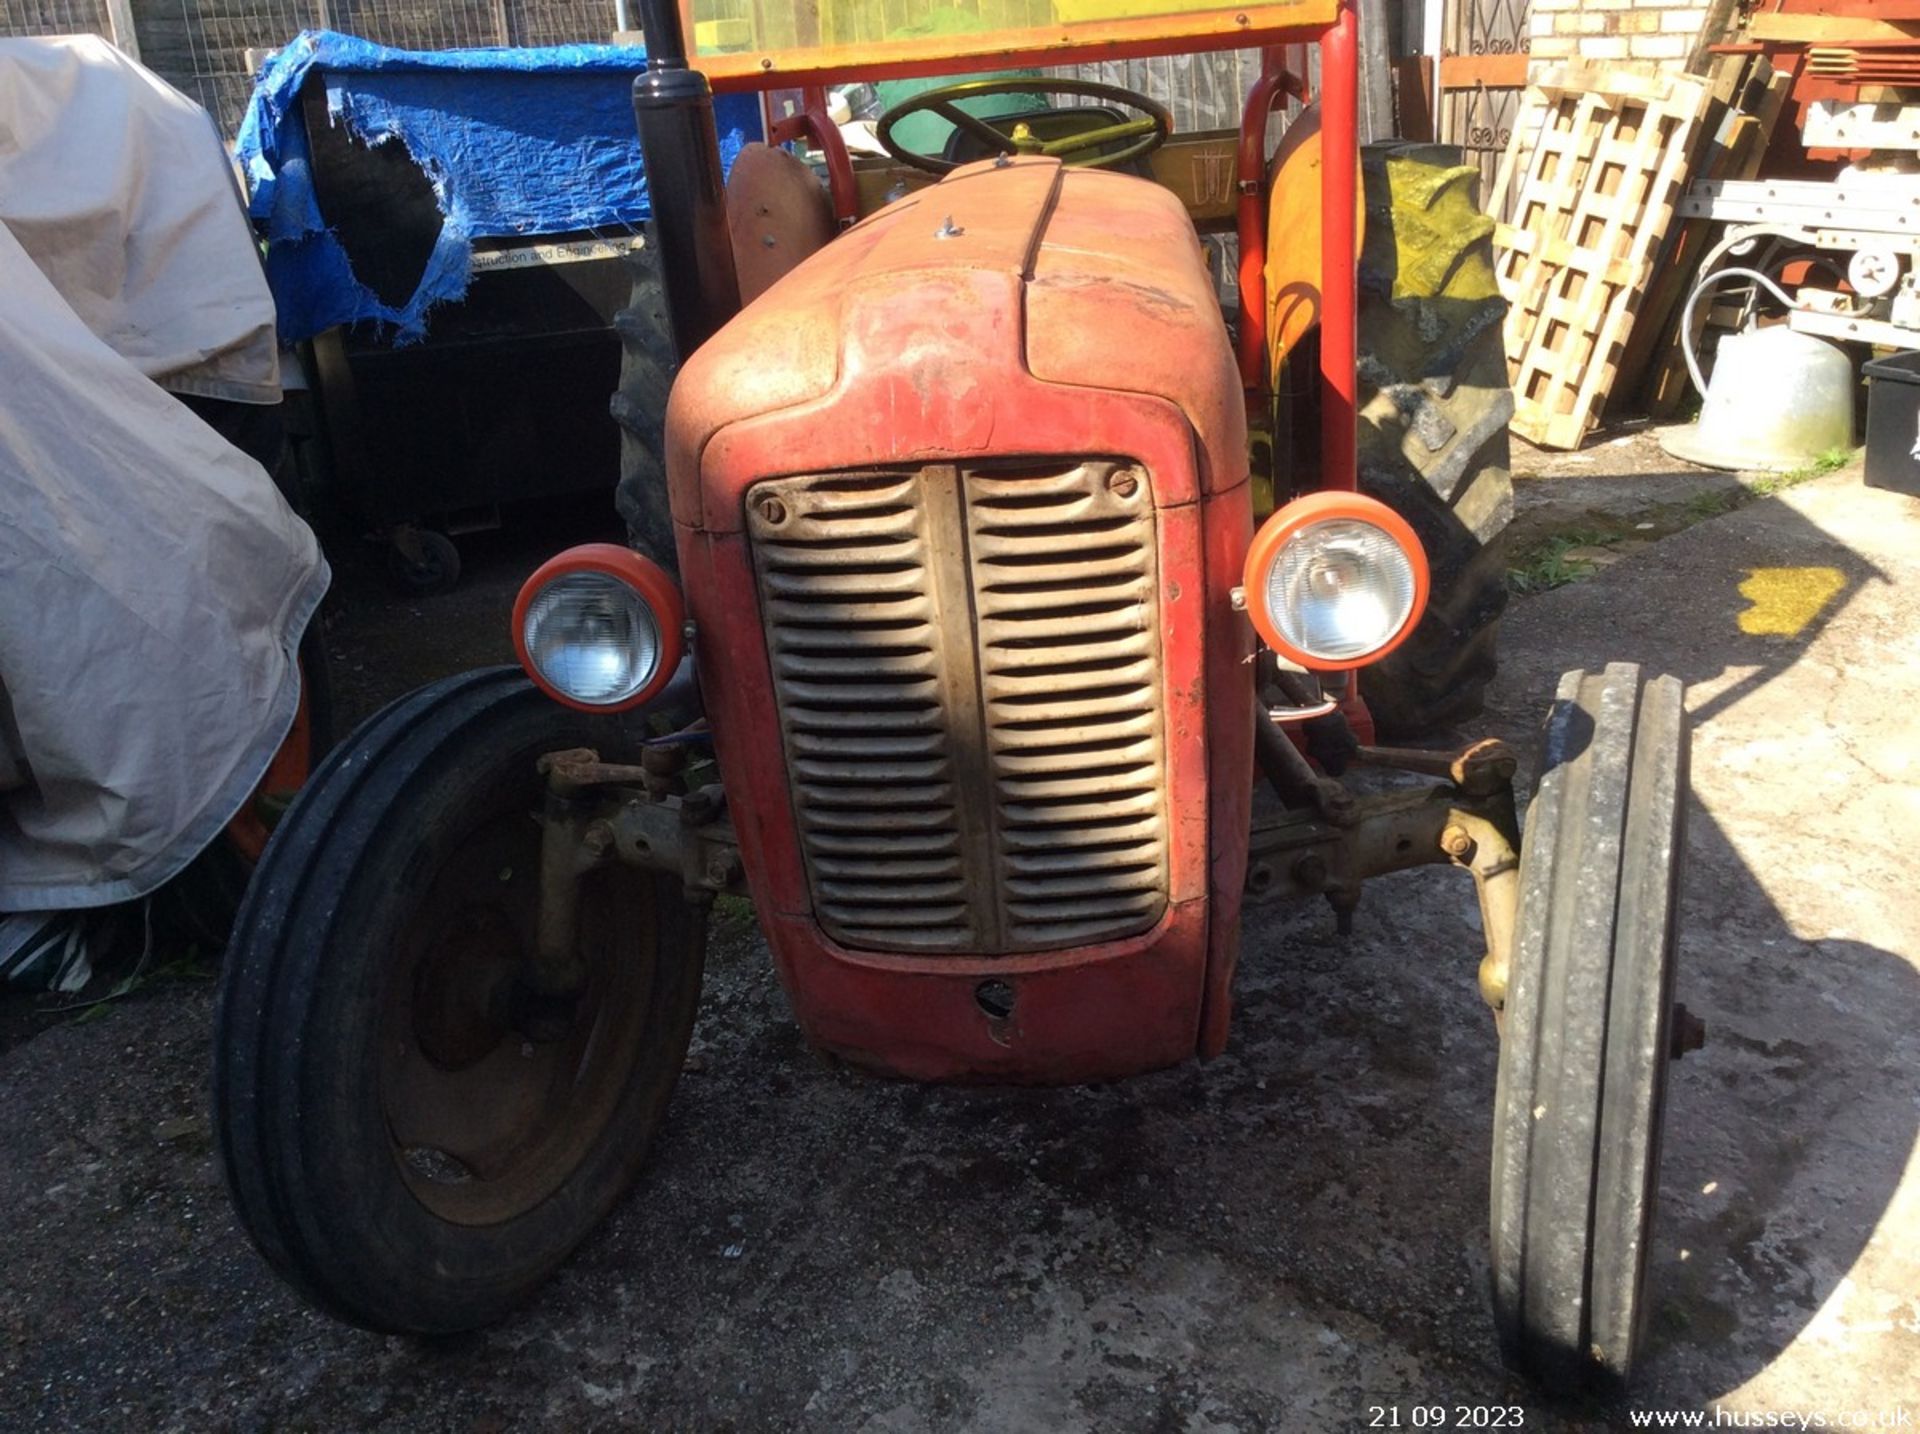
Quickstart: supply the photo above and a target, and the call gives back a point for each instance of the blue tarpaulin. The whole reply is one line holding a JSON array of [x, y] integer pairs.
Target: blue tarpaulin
[[516, 143]]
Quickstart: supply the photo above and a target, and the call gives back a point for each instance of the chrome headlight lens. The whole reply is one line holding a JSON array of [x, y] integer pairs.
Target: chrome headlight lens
[[1335, 580], [593, 637], [599, 627], [1339, 589]]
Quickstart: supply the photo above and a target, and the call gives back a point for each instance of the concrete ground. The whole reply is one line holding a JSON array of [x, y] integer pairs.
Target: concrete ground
[[1619, 473], [1292, 1237]]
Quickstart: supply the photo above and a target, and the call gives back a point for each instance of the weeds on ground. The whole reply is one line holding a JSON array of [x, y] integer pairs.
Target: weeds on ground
[[1767, 484], [192, 967], [1546, 565], [731, 915], [123, 968]]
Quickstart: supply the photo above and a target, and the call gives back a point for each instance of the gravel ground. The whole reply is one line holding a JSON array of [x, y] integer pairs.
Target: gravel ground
[[1288, 1238]]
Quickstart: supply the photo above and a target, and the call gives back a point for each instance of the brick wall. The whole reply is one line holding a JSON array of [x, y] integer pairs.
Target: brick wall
[[1664, 31]]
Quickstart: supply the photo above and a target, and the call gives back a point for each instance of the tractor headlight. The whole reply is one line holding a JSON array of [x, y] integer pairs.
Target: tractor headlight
[[593, 637], [598, 627], [1335, 580]]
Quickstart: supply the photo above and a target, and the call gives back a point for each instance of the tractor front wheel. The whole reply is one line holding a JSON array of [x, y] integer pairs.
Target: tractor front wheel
[[1587, 1030], [411, 1135]]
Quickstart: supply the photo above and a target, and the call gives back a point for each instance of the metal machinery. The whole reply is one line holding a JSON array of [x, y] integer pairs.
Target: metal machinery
[[1003, 711], [1843, 244], [1859, 230]]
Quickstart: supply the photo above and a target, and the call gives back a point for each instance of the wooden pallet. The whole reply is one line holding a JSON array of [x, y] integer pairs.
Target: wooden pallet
[[1598, 160], [1656, 354]]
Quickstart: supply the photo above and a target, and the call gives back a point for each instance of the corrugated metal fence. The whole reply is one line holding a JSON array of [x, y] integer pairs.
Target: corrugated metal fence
[[1203, 91]]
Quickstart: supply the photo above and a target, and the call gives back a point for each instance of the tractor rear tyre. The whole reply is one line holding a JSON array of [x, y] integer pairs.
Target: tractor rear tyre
[[1587, 1030], [647, 366], [1433, 412], [411, 1138]]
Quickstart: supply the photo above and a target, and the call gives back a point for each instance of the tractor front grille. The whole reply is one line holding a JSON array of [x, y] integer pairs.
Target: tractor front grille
[[966, 664]]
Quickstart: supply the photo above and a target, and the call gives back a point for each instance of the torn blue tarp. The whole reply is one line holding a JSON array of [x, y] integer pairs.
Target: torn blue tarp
[[515, 143]]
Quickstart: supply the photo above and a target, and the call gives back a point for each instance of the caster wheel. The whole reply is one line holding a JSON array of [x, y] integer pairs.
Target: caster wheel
[[435, 570]]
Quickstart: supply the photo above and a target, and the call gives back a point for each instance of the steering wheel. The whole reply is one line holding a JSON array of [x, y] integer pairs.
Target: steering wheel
[[1147, 133]]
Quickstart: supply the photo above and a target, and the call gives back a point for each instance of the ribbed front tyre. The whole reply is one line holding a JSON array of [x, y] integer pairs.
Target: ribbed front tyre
[[1587, 1030], [410, 1137]]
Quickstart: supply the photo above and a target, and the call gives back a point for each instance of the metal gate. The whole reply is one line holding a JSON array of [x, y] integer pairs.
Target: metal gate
[[1483, 69]]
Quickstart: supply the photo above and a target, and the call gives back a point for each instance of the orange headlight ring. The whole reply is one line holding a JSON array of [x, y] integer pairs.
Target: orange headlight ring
[[1303, 513], [644, 576]]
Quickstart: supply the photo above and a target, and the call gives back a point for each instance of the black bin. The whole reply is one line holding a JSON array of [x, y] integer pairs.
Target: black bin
[[1893, 423]]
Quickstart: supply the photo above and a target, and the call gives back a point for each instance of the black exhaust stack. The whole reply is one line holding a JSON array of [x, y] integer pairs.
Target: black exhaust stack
[[681, 150]]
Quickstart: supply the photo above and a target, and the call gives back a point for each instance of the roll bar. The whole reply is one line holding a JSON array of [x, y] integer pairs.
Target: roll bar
[[673, 105]]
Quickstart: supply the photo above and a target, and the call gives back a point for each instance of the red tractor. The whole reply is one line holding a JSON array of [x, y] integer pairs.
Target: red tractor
[[949, 637]]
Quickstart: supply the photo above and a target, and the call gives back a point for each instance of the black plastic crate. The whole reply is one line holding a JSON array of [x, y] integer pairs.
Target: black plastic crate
[[1893, 423]]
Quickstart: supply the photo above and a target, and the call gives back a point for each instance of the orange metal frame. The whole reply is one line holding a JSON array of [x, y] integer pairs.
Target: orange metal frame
[[1332, 24], [1339, 247], [1276, 84], [840, 399], [1224, 29], [815, 126]]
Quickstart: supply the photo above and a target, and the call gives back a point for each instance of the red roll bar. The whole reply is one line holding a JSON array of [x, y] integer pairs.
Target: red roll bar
[[1339, 245], [1339, 240]]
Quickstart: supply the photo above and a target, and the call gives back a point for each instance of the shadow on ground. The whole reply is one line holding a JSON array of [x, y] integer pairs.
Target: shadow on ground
[[1789, 1180], [1288, 1238]]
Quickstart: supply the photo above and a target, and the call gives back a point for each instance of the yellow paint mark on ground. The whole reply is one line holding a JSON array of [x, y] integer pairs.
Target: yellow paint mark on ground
[[1785, 600]]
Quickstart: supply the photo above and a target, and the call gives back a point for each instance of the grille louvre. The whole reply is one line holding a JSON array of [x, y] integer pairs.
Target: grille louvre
[[1069, 656], [967, 668]]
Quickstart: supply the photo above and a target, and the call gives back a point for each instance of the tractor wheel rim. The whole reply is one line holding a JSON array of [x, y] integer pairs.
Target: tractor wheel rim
[[485, 1122]]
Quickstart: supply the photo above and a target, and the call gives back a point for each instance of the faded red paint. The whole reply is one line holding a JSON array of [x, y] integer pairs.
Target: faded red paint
[[1070, 314]]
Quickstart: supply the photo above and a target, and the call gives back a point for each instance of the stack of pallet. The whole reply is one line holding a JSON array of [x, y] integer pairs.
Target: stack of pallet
[[1594, 266]]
